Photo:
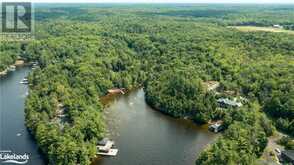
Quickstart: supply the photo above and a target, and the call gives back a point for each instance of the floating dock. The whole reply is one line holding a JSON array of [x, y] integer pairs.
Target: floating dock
[[104, 147], [111, 152]]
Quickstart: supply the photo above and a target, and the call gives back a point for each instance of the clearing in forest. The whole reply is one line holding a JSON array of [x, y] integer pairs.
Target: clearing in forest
[[265, 29]]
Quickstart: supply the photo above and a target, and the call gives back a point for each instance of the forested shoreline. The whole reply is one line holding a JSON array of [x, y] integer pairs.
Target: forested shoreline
[[172, 51]]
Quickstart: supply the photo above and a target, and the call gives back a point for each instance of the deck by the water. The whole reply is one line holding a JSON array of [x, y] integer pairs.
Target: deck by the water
[[116, 91], [104, 147], [111, 152]]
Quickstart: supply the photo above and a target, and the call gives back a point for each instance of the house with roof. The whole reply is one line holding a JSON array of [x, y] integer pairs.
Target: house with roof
[[226, 102], [278, 26]]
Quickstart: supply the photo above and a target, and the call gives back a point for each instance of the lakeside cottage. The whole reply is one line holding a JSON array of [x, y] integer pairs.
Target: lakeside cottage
[[225, 102], [278, 26]]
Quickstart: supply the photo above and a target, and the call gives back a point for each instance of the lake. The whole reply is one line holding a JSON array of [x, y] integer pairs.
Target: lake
[[145, 136], [13, 133], [142, 135]]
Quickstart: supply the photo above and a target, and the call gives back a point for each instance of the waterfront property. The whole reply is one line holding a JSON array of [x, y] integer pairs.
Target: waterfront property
[[225, 102], [104, 147], [140, 133], [116, 91], [216, 127]]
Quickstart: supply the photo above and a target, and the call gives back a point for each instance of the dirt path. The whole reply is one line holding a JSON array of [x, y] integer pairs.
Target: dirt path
[[270, 155]]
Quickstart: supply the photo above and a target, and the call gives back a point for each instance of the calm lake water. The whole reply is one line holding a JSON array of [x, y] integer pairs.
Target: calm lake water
[[142, 135], [12, 120], [147, 137]]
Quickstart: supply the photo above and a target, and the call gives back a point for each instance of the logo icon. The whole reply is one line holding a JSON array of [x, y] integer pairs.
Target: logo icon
[[8, 157], [16, 20]]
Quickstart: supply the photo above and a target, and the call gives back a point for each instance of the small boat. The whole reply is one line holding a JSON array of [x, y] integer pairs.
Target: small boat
[[216, 127], [35, 63], [19, 134], [24, 81]]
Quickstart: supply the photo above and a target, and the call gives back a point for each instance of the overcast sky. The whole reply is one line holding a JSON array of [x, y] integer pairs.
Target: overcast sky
[[161, 1]]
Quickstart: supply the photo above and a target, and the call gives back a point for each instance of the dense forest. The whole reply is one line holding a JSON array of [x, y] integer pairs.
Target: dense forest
[[170, 50], [8, 54]]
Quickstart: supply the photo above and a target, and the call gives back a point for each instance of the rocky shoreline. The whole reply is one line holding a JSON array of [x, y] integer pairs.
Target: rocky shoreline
[[17, 63]]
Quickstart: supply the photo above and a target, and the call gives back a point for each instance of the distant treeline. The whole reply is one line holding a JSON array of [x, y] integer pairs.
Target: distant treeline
[[83, 54]]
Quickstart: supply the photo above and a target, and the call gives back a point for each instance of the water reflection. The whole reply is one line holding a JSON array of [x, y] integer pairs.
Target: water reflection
[[145, 136]]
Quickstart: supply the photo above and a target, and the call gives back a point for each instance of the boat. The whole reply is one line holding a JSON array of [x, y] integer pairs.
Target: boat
[[104, 147], [24, 81], [35, 65], [216, 127]]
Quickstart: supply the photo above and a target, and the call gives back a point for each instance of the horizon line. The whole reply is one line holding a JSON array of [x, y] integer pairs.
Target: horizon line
[[150, 2], [241, 3], [168, 2]]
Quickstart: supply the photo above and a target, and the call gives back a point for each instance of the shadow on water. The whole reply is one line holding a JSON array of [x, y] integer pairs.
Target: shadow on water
[[145, 136]]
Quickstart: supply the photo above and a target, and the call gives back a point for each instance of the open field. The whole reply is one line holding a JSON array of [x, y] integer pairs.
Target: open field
[[265, 29]]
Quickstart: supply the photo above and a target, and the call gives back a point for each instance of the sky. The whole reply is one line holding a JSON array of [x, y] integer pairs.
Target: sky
[[158, 1]]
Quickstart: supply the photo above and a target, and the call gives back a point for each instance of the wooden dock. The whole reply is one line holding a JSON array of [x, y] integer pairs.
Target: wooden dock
[[104, 147], [116, 91], [111, 152]]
